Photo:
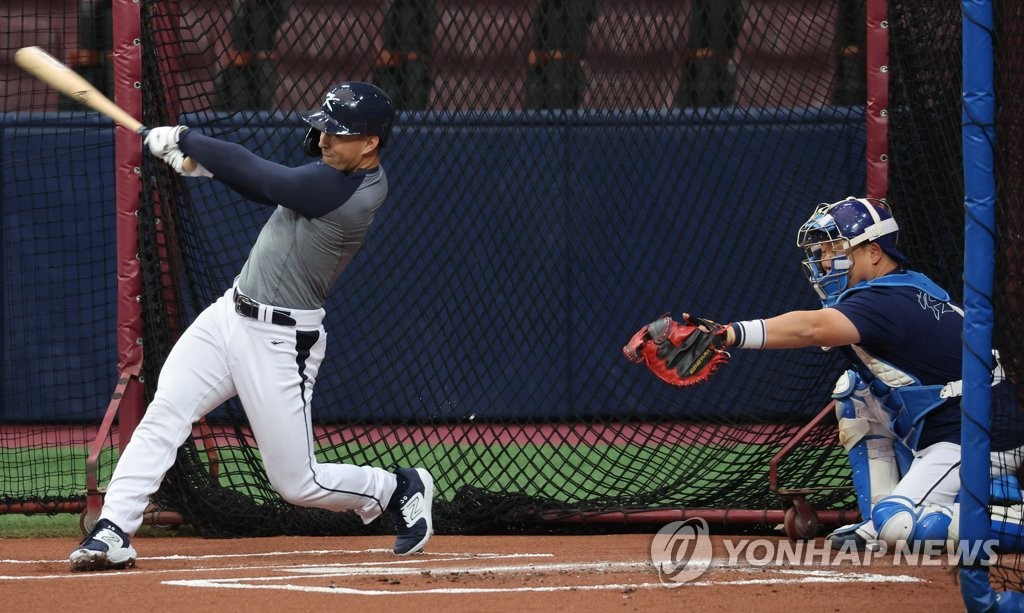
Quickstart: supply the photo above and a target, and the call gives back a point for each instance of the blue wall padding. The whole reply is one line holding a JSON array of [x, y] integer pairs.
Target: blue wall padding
[[515, 256]]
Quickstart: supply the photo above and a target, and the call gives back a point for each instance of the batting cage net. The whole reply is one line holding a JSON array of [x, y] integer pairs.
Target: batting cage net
[[57, 236], [562, 172], [1009, 272], [927, 182]]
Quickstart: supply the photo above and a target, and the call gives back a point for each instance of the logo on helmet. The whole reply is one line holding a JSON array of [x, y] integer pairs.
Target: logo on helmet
[[330, 100]]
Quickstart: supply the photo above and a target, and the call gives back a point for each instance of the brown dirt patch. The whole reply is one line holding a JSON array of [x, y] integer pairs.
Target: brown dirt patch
[[584, 574]]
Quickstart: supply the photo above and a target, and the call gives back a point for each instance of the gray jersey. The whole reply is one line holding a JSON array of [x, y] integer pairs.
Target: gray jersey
[[321, 219], [296, 259]]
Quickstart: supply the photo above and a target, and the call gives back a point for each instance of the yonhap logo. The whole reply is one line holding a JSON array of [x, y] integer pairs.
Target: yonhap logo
[[681, 551]]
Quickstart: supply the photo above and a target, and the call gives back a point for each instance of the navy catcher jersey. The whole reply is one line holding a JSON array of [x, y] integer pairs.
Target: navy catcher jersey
[[921, 336]]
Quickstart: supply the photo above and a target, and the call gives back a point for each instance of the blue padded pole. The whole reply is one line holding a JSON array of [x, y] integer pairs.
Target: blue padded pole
[[979, 260]]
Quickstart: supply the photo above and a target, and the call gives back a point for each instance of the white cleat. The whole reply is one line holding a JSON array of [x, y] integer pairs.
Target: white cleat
[[106, 547]]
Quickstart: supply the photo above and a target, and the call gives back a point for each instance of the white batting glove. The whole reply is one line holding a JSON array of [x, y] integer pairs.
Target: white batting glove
[[198, 171], [163, 140], [176, 160]]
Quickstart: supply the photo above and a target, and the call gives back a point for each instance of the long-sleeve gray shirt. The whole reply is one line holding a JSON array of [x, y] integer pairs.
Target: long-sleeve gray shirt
[[321, 219]]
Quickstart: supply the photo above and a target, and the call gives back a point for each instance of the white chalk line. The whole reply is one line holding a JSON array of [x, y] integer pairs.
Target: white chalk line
[[310, 552], [323, 572], [447, 556], [801, 577], [413, 566]]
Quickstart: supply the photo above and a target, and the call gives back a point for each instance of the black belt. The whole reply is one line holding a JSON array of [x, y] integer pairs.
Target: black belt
[[246, 307]]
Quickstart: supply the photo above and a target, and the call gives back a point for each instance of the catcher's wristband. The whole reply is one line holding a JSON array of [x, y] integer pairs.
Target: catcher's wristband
[[749, 334]]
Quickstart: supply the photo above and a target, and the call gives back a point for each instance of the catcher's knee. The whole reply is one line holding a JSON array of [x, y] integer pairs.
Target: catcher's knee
[[860, 413], [898, 520], [864, 433]]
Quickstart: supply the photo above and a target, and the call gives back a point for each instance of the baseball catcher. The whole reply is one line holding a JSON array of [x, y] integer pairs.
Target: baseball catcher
[[680, 354], [898, 404]]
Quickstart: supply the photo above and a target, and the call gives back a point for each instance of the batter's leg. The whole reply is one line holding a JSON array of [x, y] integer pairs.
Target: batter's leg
[[194, 381], [275, 384]]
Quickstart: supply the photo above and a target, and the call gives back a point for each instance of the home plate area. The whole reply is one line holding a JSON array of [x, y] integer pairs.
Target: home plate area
[[568, 574], [449, 573], [488, 572]]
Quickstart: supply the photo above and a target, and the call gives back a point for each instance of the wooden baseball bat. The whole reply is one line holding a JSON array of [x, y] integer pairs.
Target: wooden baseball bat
[[54, 73]]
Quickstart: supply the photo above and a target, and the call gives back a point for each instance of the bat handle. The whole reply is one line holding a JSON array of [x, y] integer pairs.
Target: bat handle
[[187, 165]]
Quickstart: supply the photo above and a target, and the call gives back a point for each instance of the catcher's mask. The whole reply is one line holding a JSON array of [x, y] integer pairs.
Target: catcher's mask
[[352, 107], [836, 229]]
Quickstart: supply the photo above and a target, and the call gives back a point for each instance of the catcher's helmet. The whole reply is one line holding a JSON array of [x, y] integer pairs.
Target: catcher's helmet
[[832, 231], [353, 107]]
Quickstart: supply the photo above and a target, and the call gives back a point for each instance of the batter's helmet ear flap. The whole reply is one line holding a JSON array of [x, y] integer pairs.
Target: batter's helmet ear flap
[[311, 144]]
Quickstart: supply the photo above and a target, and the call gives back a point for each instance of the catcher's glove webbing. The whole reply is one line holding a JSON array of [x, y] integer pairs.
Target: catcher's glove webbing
[[679, 353]]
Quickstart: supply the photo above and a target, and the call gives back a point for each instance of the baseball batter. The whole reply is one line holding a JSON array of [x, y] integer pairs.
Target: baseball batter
[[263, 340]]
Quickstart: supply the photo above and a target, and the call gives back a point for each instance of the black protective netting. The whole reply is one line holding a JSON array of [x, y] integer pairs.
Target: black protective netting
[[926, 188], [57, 257], [1009, 294], [1009, 336], [561, 173], [927, 185]]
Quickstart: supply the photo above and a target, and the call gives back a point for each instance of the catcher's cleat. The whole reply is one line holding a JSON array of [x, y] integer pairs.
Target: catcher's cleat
[[410, 506], [106, 547], [854, 537]]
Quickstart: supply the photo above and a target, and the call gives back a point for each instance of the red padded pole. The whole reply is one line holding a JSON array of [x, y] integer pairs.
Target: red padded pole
[[127, 49], [878, 98]]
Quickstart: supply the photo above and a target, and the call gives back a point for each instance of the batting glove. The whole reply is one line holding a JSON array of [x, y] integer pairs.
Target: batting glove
[[176, 160], [163, 140]]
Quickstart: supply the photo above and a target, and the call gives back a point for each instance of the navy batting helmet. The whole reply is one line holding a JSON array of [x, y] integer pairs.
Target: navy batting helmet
[[354, 107]]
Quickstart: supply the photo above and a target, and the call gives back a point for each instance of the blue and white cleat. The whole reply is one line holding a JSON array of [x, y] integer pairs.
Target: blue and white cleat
[[411, 506], [106, 547]]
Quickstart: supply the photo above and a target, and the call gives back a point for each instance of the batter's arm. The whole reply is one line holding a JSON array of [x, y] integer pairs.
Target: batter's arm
[[313, 189]]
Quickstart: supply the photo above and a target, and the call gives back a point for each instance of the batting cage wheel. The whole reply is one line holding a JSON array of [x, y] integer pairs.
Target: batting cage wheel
[[86, 523], [800, 521]]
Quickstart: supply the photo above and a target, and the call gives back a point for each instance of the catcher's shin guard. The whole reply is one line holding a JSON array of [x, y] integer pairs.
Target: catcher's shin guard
[[865, 434], [899, 520], [1008, 527]]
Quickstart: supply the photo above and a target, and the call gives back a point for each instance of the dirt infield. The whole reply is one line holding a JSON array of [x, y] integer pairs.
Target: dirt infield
[[519, 573]]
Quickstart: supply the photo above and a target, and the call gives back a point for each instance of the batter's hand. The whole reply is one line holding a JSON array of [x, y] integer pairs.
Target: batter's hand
[[176, 160], [164, 140]]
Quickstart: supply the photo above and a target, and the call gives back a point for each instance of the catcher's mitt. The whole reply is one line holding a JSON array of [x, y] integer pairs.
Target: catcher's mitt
[[679, 353]]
